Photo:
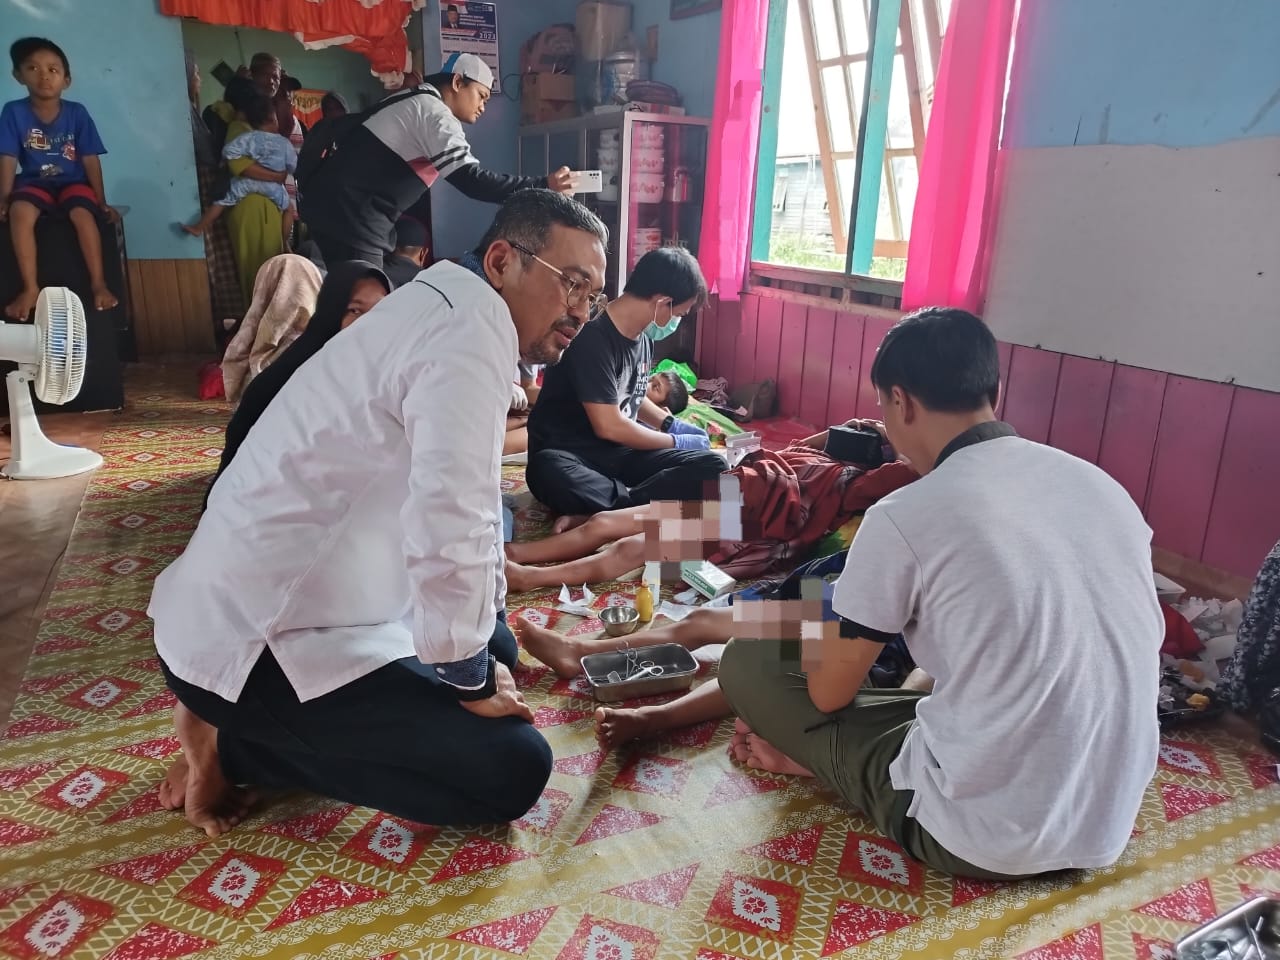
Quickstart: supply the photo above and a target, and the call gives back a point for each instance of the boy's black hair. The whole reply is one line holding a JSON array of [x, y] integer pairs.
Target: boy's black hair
[[678, 395], [22, 49], [238, 92], [668, 272], [944, 357], [258, 111], [334, 99]]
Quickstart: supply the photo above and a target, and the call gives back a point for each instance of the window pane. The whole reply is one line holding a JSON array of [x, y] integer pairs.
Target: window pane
[[801, 235], [900, 132], [824, 21], [847, 177], [843, 133], [855, 25], [907, 176]]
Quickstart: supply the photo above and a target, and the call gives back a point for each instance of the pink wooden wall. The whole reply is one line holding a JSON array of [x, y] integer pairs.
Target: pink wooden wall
[[1201, 459]]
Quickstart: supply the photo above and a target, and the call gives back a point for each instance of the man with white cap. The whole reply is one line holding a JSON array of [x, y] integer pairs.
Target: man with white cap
[[374, 170]]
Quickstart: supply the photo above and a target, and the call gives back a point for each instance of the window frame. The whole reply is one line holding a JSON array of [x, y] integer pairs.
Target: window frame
[[886, 18]]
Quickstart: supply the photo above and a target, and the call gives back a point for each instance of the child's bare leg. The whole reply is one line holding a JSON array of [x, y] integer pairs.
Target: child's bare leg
[[287, 220], [562, 654], [615, 727], [22, 228], [517, 436], [86, 225], [620, 557], [207, 220], [581, 541]]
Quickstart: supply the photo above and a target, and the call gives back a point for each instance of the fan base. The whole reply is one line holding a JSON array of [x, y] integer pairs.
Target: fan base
[[35, 456]]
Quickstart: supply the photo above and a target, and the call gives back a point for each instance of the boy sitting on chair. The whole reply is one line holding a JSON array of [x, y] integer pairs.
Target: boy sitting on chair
[[56, 145]]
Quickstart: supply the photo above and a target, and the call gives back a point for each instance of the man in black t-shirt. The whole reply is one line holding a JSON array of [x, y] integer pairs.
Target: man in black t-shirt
[[595, 441]]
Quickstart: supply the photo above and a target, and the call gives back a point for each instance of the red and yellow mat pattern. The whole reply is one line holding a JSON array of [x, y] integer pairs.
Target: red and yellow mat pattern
[[668, 850]]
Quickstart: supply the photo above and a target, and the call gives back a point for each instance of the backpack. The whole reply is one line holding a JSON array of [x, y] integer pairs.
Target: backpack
[[326, 137]]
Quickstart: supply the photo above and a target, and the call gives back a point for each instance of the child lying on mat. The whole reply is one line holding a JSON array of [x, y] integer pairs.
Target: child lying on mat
[[791, 499], [668, 391]]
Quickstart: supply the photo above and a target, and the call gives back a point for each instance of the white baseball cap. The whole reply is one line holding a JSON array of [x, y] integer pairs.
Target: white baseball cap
[[470, 66]]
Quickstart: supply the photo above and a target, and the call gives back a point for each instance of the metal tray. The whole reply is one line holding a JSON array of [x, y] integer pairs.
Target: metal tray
[[1251, 931], [678, 669]]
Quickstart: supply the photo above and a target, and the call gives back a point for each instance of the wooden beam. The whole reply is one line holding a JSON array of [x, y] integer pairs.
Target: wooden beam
[[911, 61], [872, 133]]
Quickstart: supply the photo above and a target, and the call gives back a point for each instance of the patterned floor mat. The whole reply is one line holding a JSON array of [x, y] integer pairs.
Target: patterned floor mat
[[666, 851]]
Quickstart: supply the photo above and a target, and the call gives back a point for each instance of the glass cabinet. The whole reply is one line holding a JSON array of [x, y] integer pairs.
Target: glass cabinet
[[654, 170]]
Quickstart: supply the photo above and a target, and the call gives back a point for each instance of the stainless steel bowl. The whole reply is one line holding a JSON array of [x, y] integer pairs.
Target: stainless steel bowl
[[620, 621]]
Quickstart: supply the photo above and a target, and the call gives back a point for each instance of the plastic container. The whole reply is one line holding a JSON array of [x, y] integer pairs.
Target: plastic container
[[648, 187], [649, 135], [600, 26], [648, 160], [621, 68]]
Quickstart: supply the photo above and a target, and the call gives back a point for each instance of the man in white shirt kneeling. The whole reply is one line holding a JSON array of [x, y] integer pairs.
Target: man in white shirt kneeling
[[1021, 579], [335, 624]]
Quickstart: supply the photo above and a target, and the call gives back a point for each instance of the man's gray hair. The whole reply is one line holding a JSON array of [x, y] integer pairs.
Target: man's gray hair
[[528, 216]]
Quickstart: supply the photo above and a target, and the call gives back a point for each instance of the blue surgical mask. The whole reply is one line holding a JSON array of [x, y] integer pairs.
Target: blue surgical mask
[[656, 331]]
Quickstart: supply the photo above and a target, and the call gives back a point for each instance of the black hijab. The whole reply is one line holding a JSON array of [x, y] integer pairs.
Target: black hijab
[[324, 325]]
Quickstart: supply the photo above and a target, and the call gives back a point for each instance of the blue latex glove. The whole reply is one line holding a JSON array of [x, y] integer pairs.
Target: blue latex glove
[[691, 441], [679, 428]]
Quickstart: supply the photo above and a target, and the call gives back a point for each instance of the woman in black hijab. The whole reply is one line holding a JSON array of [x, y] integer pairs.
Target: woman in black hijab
[[349, 290]]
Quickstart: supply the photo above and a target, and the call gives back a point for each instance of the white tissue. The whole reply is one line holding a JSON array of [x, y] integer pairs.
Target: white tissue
[[579, 608]]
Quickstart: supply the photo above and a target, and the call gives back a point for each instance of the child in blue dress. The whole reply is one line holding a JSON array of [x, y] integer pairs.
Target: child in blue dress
[[264, 145], [49, 150]]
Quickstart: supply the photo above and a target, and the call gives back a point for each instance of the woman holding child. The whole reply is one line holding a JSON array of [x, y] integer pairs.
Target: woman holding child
[[255, 224]]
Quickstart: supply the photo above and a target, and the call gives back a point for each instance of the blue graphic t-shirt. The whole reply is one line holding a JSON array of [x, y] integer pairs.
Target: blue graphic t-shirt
[[49, 154]]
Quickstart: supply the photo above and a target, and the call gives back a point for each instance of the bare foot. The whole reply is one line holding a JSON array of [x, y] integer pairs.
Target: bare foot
[[757, 753], [559, 653], [519, 579], [104, 299], [616, 727], [21, 306], [173, 788], [567, 522], [212, 804], [192, 228]]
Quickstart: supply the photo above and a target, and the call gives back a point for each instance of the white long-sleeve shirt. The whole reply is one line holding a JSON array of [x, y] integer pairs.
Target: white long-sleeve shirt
[[360, 522]]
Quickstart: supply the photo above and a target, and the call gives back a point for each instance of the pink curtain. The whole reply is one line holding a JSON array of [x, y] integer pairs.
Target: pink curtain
[[955, 205], [731, 153]]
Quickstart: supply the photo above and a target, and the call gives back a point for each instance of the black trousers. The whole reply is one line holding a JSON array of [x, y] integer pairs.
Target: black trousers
[[393, 740], [615, 477], [337, 251]]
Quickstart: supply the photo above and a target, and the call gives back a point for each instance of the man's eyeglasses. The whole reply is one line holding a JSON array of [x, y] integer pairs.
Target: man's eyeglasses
[[576, 292]]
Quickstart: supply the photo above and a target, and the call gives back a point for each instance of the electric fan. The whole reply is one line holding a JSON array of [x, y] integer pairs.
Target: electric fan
[[50, 354]]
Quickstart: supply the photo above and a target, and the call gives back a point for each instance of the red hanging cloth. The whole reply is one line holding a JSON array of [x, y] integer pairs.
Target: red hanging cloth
[[372, 28]]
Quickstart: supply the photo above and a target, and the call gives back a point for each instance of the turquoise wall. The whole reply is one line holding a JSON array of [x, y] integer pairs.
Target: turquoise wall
[[686, 60], [687, 52], [457, 222], [1176, 73], [127, 69]]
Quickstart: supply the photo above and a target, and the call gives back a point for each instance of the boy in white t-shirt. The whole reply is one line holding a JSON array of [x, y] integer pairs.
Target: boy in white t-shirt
[[1021, 579]]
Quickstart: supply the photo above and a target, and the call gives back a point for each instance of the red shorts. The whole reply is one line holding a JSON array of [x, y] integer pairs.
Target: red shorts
[[57, 198]]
